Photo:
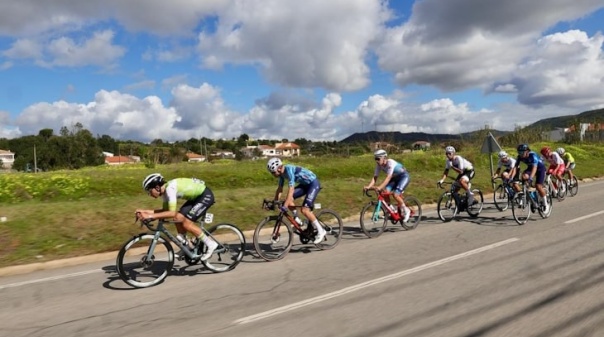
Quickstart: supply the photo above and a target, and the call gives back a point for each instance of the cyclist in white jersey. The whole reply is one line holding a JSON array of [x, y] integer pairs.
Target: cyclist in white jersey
[[199, 198], [464, 169], [508, 164], [397, 179]]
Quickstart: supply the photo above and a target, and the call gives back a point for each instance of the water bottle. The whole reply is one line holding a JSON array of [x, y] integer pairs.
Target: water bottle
[[394, 208], [298, 220], [534, 195]]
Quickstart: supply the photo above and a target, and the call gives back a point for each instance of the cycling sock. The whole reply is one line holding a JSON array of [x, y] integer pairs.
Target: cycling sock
[[317, 226]]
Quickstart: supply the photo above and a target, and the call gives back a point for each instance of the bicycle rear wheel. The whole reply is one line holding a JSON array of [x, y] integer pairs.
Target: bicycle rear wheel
[[521, 208], [573, 186], [415, 206], [475, 209], [273, 238], [230, 250], [373, 220], [501, 198], [446, 207], [140, 265], [333, 225]]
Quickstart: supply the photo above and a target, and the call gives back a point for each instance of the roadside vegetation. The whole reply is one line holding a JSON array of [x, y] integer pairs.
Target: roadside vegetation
[[78, 212]]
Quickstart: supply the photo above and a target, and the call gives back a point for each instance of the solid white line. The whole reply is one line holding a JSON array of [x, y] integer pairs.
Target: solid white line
[[59, 277], [584, 217], [360, 286]]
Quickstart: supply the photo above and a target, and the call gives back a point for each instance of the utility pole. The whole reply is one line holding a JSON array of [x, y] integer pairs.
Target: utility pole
[[35, 160]]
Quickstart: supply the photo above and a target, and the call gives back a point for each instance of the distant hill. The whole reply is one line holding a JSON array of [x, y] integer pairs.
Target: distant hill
[[543, 124], [565, 121], [411, 137]]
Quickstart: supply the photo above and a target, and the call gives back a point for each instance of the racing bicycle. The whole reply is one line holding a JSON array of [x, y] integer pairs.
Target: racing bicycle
[[503, 194], [273, 237], [147, 258], [451, 203], [377, 213], [528, 201]]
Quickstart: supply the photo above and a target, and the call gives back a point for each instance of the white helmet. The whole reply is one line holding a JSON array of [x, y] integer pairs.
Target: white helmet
[[560, 151], [152, 180], [449, 149], [502, 154], [380, 153], [273, 164]]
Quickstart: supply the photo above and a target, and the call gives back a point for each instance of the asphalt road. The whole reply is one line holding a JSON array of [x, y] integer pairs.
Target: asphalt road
[[473, 277]]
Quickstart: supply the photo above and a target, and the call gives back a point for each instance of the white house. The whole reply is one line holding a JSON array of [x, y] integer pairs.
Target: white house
[[8, 158]]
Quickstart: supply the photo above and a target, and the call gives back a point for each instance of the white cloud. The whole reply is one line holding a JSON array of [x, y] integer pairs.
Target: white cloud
[[457, 44], [24, 49], [297, 44], [564, 69]]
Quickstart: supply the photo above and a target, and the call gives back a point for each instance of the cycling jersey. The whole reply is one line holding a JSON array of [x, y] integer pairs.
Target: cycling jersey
[[568, 158], [182, 188], [296, 174], [459, 163], [400, 177], [532, 160], [554, 159], [511, 163], [392, 167]]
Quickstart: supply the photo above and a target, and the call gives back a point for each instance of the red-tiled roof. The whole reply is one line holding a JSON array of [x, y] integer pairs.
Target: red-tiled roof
[[118, 159]]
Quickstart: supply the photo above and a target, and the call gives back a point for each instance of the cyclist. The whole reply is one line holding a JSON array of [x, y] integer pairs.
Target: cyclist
[[397, 179], [507, 163], [556, 165], [199, 198], [535, 169], [464, 169], [569, 162], [308, 185]]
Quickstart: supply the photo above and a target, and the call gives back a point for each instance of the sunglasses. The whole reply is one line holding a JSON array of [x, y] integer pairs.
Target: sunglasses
[[377, 158]]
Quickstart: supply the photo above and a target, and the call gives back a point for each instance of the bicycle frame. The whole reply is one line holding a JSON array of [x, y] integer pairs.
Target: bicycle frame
[[381, 199], [284, 212], [161, 229]]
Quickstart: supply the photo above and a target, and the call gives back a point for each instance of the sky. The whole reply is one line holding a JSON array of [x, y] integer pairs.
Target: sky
[[315, 69]]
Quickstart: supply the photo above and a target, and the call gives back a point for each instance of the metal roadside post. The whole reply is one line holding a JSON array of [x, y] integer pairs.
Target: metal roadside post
[[489, 146]]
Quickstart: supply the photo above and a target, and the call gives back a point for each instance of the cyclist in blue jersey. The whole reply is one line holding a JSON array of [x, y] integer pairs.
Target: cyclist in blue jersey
[[397, 179], [308, 185], [199, 198], [535, 171]]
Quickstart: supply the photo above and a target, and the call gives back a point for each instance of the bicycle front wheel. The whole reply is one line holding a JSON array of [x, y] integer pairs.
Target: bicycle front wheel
[[521, 208], [273, 238], [501, 198], [416, 212], [333, 225], [446, 207], [144, 262], [230, 250], [373, 220], [573, 186], [475, 209]]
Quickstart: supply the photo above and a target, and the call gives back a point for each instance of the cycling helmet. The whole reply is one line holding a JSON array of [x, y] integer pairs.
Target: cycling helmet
[[545, 150], [502, 154], [273, 164], [152, 180], [380, 153], [560, 151], [449, 149], [522, 148]]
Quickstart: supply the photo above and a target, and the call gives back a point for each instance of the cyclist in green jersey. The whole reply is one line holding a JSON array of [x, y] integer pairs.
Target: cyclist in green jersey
[[569, 161], [199, 198]]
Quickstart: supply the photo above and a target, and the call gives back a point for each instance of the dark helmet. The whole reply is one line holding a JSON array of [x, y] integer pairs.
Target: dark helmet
[[522, 148]]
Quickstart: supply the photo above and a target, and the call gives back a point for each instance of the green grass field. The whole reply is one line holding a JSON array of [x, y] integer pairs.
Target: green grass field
[[70, 213]]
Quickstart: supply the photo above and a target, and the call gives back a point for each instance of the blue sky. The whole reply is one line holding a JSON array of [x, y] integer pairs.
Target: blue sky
[[147, 69]]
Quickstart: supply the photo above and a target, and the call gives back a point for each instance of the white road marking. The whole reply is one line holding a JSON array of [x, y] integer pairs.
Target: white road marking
[[360, 286], [584, 217], [58, 277]]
